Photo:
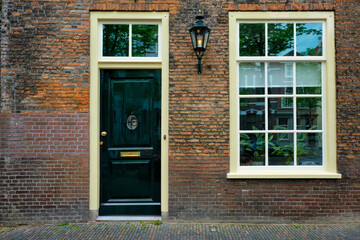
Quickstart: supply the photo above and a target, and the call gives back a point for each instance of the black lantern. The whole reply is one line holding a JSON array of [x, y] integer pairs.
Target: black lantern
[[199, 34]]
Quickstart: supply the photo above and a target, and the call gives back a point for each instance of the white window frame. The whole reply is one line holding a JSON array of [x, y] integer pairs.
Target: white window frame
[[328, 169]]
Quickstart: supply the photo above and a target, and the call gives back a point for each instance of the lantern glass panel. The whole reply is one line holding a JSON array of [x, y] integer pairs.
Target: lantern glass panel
[[199, 38], [193, 38], [206, 38]]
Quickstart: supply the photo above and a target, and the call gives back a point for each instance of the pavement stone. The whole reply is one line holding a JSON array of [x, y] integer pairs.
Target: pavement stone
[[189, 231]]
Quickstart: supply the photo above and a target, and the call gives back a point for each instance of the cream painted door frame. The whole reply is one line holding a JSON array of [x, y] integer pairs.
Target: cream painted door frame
[[97, 63]]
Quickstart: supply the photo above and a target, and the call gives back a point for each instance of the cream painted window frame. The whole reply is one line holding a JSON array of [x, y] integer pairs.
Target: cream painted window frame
[[329, 170], [97, 62]]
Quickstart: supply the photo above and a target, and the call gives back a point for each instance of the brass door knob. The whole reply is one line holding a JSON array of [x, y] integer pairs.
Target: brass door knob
[[101, 143], [103, 133]]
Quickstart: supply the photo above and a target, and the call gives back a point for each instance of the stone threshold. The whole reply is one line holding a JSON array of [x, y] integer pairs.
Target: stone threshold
[[128, 218]]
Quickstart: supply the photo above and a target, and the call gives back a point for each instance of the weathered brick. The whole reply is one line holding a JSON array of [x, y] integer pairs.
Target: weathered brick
[[44, 158]]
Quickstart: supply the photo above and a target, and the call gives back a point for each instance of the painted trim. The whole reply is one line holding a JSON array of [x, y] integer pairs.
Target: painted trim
[[129, 65], [94, 117], [283, 175], [330, 170], [96, 64]]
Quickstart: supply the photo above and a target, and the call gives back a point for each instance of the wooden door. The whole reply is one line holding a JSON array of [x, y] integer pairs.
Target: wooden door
[[130, 160]]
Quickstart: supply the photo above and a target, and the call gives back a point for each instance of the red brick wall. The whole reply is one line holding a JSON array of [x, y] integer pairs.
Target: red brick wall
[[199, 128], [44, 136], [47, 74], [44, 164]]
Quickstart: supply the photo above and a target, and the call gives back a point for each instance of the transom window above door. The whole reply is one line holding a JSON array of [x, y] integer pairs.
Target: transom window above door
[[130, 41]]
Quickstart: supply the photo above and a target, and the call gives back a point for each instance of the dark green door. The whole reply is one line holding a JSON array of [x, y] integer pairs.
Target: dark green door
[[130, 131]]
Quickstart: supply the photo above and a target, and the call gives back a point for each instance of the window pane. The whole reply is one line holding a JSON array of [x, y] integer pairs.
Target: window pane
[[145, 40], [281, 149], [252, 149], [309, 39], [115, 40], [280, 108], [252, 78], [309, 149], [252, 39], [309, 113], [281, 39], [280, 78], [308, 78], [252, 114]]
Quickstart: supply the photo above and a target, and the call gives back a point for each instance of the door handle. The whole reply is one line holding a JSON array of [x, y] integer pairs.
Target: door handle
[[103, 133]]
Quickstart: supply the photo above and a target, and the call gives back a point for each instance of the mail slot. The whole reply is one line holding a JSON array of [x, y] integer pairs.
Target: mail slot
[[130, 154]]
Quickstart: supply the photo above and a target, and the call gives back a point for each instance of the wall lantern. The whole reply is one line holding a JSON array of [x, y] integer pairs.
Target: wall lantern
[[199, 34]]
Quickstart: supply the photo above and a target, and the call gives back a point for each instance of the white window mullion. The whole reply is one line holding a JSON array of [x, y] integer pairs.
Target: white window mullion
[[323, 115], [266, 114], [237, 110], [282, 59], [294, 113], [266, 39], [323, 40], [237, 47], [295, 134], [295, 40], [130, 40], [252, 131]]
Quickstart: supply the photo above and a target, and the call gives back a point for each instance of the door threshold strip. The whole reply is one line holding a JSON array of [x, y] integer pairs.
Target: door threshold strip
[[128, 218]]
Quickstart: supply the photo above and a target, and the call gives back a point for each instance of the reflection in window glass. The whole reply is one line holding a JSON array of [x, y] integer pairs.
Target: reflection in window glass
[[280, 78], [281, 148], [115, 40], [252, 78], [144, 40], [281, 39], [309, 149], [308, 78], [309, 113], [280, 101], [309, 39], [252, 39], [252, 149], [252, 113], [277, 110]]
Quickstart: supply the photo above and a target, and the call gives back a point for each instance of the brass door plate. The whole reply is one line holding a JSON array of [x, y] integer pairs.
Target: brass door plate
[[130, 154]]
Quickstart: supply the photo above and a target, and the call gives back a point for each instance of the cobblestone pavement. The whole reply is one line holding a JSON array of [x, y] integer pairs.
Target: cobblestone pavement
[[158, 230]]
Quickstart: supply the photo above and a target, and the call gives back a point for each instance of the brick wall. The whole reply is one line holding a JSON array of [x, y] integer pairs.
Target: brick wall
[[46, 75], [199, 128], [44, 155], [44, 167]]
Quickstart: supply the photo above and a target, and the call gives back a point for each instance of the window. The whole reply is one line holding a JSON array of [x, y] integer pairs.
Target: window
[[282, 91], [130, 41]]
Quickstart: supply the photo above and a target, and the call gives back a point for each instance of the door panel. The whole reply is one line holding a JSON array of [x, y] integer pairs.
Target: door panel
[[130, 154], [136, 101], [138, 172]]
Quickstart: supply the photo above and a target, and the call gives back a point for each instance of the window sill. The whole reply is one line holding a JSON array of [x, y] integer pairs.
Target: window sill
[[283, 175]]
